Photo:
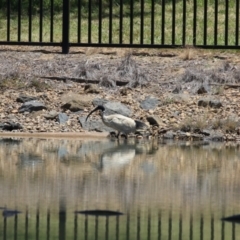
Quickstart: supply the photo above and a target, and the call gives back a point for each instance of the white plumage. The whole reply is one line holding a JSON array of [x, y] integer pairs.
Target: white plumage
[[118, 122]]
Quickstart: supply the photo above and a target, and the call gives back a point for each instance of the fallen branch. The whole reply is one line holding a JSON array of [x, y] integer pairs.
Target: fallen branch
[[226, 85], [82, 80]]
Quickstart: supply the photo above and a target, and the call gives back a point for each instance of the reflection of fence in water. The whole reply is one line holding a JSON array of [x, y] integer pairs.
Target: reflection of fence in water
[[139, 225]]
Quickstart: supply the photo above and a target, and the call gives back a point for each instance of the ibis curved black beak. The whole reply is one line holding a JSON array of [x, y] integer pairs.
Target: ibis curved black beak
[[99, 107]]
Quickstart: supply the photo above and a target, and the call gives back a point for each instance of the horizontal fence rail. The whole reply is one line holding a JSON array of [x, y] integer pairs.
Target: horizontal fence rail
[[129, 23], [47, 225]]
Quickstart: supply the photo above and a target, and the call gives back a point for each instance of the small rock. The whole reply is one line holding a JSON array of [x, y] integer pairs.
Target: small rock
[[203, 103], [91, 88], [201, 90], [51, 115], [154, 120]]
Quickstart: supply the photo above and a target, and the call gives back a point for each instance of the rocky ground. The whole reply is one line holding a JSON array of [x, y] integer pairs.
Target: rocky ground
[[182, 94]]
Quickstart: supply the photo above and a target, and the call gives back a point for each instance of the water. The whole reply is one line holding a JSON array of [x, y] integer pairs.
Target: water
[[164, 190]]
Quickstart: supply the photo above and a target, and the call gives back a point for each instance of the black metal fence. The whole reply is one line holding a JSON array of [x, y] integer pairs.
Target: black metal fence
[[140, 24], [139, 226]]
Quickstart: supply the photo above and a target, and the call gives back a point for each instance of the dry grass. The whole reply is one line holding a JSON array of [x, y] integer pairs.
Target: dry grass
[[193, 124]]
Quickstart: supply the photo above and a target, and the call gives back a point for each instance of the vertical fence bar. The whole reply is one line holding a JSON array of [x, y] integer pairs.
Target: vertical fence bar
[[128, 227], [37, 225], [100, 22], [184, 23], [65, 27], [194, 22], [159, 226], [75, 227], [30, 21], [205, 23], [223, 231], [152, 21], [142, 22], [117, 227], [19, 19], [5, 228], [51, 20], [79, 20], [121, 21], [201, 227], [131, 21], [170, 226], [8, 20], [89, 21], [226, 22], [233, 231], [110, 21], [15, 226], [237, 23], [149, 226], [40, 20], [138, 225], [107, 228], [26, 225], [48, 224], [62, 216], [212, 228], [163, 22], [180, 227], [216, 22], [191, 228], [96, 227], [173, 20], [86, 227]]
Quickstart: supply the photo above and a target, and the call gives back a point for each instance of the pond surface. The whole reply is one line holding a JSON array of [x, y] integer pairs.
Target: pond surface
[[133, 189]]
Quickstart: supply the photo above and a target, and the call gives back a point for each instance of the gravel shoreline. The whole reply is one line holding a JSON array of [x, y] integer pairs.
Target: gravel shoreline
[[196, 92]]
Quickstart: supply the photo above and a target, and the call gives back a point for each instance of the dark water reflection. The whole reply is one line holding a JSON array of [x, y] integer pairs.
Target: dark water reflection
[[78, 189]]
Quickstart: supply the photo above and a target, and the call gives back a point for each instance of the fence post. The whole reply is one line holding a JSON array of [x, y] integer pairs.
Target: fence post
[[65, 27]]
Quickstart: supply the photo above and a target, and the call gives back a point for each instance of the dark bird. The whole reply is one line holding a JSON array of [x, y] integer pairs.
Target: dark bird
[[119, 122]]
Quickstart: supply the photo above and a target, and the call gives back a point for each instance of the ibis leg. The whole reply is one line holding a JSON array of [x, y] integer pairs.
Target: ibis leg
[[118, 134]]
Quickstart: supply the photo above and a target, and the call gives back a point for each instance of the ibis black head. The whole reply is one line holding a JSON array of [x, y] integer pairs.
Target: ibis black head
[[99, 107]]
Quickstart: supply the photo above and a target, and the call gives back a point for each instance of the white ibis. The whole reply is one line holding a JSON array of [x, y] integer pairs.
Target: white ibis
[[118, 122]]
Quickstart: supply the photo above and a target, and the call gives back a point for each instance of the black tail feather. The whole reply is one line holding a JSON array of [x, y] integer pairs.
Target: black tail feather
[[140, 125]]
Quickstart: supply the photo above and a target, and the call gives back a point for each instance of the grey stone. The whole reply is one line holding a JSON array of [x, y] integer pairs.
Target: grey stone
[[31, 106], [76, 102], [169, 135], [10, 126], [25, 98], [215, 104], [94, 125], [99, 101], [117, 108], [62, 118], [215, 136], [149, 103]]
